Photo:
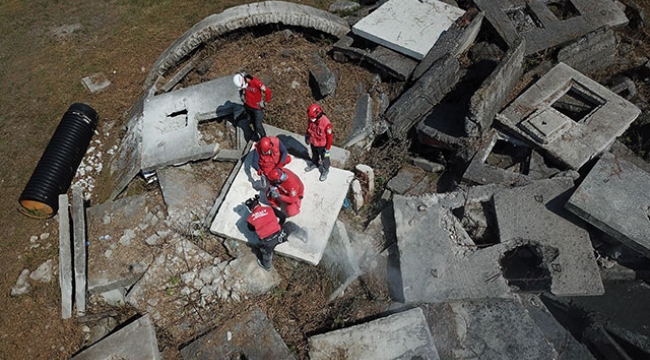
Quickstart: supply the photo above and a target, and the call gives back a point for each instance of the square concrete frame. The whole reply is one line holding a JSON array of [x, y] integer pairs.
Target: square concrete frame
[[170, 134], [532, 116], [548, 30], [320, 207], [411, 27], [405, 335], [614, 198]]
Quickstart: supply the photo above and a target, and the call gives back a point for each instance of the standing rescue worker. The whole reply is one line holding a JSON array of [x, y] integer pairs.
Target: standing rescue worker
[[254, 95], [286, 189], [319, 137], [267, 223], [270, 153]]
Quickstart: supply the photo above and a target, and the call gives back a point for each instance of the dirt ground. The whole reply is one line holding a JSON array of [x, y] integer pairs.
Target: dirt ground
[[46, 49]]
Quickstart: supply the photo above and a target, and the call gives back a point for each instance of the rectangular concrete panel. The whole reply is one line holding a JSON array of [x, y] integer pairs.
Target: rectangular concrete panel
[[79, 248], [404, 335], [534, 215], [614, 197], [569, 116], [320, 207], [135, 341], [411, 27], [65, 257], [250, 335], [170, 134]]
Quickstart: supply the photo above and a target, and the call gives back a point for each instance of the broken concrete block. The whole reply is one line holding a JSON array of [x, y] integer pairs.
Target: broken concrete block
[[410, 180], [568, 115], [96, 82], [427, 165], [65, 257], [135, 341], [366, 176], [547, 24], [397, 336], [250, 335], [321, 79], [385, 60], [491, 96], [592, 52], [362, 122], [410, 27], [614, 198], [419, 99], [357, 195], [344, 6]]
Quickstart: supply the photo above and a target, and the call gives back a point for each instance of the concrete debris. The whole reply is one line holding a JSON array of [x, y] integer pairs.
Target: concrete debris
[[343, 6], [43, 273], [362, 127], [321, 79], [96, 82], [22, 286]]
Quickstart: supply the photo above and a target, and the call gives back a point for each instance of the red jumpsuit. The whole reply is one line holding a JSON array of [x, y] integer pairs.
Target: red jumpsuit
[[277, 158], [291, 192]]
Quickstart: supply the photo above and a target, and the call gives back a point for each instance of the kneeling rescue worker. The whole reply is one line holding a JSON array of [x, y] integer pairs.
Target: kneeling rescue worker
[[286, 189], [267, 223]]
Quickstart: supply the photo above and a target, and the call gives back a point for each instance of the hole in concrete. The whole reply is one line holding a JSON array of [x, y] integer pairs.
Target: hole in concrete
[[524, 268], [506, 155], [563, 9], [577, 103], [175, 121], [524, 19], [479, 221]]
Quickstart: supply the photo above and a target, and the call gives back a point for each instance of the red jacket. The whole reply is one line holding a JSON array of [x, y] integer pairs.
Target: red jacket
[[253, 93], [277, 158], [291, 189], [264, 221], [320, 132]]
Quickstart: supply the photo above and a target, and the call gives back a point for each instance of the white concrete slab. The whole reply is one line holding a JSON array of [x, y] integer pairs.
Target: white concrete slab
[[410, 27], [320, 207], [170, 133]]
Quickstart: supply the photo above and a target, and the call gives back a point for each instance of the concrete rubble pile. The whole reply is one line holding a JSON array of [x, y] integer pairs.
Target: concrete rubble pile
[[519, 202]]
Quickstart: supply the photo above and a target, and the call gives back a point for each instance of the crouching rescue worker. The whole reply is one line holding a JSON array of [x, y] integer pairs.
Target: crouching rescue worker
[[270, 153], [267, 223], [286, 190], [319, 137]]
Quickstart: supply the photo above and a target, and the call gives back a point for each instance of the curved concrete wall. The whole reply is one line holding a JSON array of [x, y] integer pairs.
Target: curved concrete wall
[[263, 13]]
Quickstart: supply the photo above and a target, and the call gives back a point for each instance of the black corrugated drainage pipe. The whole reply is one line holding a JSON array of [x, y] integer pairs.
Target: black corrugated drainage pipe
[[58, 164]]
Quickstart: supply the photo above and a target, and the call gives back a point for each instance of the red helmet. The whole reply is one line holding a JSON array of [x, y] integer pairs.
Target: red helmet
[[265, 145], [314, 111], [276, 176]]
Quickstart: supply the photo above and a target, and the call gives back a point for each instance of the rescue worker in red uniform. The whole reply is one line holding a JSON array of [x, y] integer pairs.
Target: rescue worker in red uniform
[[254, 95], [267, 223], [270, 153], [319, 136], [286, 189]]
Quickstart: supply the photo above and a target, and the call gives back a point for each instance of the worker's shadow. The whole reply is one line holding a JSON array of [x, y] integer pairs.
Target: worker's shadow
[[294, 146], [238, 117]]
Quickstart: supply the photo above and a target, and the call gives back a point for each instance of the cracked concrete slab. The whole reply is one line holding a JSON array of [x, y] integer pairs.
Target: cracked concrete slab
[[614, 198], [170, 134]]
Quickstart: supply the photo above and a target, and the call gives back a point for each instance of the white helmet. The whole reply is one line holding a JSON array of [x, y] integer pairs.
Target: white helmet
[[239, 81]]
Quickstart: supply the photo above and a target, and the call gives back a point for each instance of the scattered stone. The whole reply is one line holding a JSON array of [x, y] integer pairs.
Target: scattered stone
[[321, 79], [343, 6], [96, 82], [44, 236], [427, 165], [43, 273], [22, 284]]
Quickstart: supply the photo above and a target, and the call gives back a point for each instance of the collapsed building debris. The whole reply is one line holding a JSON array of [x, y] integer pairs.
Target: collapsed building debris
[[467, 254]]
